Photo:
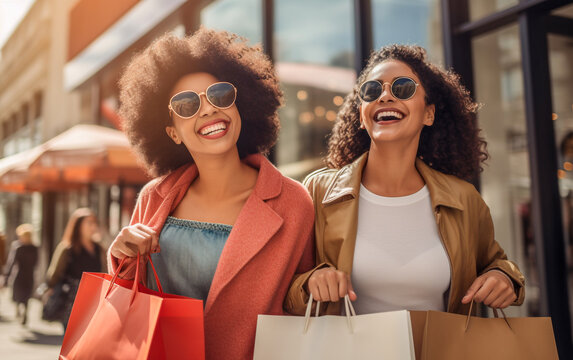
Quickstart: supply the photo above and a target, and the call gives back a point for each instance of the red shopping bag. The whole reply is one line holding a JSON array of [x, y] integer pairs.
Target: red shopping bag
[[114, 318]]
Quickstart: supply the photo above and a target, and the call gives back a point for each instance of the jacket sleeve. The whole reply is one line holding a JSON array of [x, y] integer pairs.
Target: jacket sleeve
[[58, 265], [492, 257], [11, 261], [297, 296]]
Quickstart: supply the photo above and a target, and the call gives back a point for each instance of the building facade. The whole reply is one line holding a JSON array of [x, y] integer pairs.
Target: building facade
[[514, 56]]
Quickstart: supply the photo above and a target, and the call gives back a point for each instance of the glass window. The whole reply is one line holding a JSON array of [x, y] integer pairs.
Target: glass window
[[419, 23], [242, 17], [505, 182], [560, 60], [314, 56], [482, 8]]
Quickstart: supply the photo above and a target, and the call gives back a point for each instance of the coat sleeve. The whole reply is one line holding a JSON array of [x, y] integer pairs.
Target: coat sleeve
[[492, 257], [58, 265], [11, 261], [297, 296]]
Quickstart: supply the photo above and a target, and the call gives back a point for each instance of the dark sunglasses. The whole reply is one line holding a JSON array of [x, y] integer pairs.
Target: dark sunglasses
[[186, 104], [402, 88]]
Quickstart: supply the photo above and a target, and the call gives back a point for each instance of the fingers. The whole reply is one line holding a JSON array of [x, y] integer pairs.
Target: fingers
[[134, 239], [330, 284], [470, 294], [493, 289]]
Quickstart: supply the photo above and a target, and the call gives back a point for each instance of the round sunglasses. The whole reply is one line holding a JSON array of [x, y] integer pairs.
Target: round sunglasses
[[187, 103], [402, 88]]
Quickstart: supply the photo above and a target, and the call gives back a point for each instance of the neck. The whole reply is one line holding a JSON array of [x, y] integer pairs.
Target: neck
[[391, 170], [87, 243], [222, 176]]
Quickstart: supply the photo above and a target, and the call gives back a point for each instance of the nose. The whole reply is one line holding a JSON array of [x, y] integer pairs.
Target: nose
[[386, 93], [206, 108]]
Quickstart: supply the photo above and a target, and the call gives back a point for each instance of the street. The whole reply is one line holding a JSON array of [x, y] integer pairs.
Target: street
[[38, 340]]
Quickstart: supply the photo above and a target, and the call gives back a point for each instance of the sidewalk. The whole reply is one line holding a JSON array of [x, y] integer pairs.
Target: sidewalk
[[38, 340]]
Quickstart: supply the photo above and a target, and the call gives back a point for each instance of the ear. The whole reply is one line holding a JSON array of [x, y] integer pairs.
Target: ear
[[172, 133], [429, 115]]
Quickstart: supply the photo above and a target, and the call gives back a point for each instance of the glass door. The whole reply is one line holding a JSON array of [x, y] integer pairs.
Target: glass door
[[560, 43]]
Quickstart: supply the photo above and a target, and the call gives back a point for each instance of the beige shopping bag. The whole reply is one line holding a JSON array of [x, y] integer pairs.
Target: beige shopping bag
[[371, 336], [452, 336]]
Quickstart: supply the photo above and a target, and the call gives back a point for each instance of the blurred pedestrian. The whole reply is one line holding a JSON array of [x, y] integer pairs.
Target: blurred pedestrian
[[20, 267], [78, 251]]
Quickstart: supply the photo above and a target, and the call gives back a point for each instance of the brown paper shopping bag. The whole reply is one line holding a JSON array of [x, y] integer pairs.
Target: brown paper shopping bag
[[452, 336]]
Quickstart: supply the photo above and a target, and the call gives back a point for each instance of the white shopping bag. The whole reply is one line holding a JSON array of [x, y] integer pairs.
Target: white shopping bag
[[385, 335]]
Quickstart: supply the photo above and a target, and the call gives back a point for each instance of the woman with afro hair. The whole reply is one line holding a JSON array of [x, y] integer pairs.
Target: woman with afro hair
[[396, 224], [222, 224]]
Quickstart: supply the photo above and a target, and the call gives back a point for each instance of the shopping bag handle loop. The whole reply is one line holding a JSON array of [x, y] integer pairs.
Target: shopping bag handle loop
[[347, 306], [495, 314], [136, 279]]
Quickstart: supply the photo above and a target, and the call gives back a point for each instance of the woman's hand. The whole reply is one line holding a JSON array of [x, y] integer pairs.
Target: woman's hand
[[329, 284], [493, 288], [133, 239]]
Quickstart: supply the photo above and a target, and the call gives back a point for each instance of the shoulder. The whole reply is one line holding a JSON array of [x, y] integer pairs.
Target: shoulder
[[321, 178], [454, 189], [62, 248], [163, 185], [295, 194]]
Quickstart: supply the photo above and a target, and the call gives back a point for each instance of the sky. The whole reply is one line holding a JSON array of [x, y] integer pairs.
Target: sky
[[11, 12]]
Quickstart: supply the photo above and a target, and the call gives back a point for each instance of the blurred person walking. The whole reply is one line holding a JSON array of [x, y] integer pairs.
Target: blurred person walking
[[78, 251], [20, 268]]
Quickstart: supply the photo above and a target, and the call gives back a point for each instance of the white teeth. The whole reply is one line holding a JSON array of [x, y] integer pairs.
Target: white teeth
[[386, 114], [215, 128]]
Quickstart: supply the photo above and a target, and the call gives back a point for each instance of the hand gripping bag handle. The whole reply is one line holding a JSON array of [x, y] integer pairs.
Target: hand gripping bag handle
[[494, 314], [134, 288], [347, 305]]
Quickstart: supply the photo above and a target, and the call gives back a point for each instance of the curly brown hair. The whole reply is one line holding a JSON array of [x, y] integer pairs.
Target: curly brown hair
[[451, 145], [149, 77]]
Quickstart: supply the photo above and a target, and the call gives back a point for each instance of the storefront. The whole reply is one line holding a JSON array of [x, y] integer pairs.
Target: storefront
[[516, 57]]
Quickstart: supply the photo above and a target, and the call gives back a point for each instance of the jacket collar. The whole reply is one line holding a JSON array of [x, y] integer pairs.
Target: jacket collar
[[346, 184], [268, 185]]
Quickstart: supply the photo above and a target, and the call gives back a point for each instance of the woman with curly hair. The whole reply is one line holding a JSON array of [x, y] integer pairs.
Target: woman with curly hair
[[396, 224], [223, 224]]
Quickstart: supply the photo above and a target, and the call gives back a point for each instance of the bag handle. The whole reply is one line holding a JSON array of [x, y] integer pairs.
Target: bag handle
[[134, 288], [495, 314], [347, 306]]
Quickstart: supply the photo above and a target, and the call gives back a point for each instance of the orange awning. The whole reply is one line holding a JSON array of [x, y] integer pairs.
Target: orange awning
[[82, 155]]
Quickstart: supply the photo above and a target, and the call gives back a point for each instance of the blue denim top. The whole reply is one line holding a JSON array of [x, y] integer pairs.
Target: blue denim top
[[190, 251]]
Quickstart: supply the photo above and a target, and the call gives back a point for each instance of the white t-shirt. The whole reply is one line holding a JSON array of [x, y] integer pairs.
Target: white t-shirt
[[399, 259]]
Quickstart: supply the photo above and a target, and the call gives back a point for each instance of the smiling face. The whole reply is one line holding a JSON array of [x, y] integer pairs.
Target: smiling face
[[389, 119], [211, 130]]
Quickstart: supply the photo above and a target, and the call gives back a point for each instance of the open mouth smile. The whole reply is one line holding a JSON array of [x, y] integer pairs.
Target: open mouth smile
[[213, 129], [388, 115]]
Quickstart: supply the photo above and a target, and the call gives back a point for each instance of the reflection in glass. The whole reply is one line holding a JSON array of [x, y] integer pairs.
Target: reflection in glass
[[242, 17], [314, 57], [314, 32], [408, 22], [482, 8], [560, 60], [505, 182]]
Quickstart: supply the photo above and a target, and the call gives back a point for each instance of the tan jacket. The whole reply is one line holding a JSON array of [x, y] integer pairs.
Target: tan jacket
[[463, 220]]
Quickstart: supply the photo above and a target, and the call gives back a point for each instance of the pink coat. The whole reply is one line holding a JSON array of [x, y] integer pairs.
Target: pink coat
[[271, 240]]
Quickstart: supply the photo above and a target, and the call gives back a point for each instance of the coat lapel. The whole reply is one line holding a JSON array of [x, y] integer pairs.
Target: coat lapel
[[256, 224]]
